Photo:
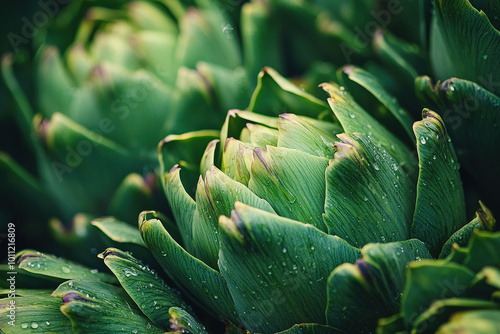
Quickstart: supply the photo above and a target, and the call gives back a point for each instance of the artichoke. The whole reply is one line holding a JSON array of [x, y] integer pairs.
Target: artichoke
[[302, 222], [302, 216], [134, 73]]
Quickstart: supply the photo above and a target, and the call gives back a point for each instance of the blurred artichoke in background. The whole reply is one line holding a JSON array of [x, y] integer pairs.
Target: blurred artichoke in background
[[134, 73]]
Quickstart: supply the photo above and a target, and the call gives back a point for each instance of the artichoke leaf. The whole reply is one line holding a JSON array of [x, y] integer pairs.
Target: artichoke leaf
[[275, 95], [132, 195], [99, 307], [183, 322], [441, 310], [471, 114], [361, 293], [292, 181], [374, 206], [484, 220], [208, 158], [33, 314], [75, 157], [371, 85], [184, 151], [37, 263], [482, 250], [440, 206], [183, 206], [428, 281], [270, 262], [216, 196], [153, 297], [197, 280], [353, 118], [453, 23], [119, 231], [302, 133], [477, 322], [237, 160]]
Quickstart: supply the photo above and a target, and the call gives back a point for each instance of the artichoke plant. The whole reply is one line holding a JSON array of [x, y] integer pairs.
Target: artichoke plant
[[134, 73], [304, 222], [306, 216]]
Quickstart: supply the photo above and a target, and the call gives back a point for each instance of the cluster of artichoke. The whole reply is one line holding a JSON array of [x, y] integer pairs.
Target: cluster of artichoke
[[295, 167]]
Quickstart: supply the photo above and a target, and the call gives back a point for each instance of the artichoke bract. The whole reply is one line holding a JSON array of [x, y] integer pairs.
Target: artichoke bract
[[134, 73]]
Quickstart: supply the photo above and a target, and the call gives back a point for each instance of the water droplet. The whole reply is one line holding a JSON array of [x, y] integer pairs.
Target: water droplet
[[66, 269], [47, 323], [94, 271], [382, 238], [129, 272], [423, 140], [434, 157], [291, 197], [376, 167], [284, 250], [25, 325], [34, 325], [485, 57], [352, 116], [395, 166], [312, 248], [365, 198], [135, 331], [228, 31]]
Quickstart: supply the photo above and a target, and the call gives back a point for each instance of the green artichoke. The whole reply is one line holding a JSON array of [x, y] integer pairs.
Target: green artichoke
[[134, 73], [297, 219], [303, 222]]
